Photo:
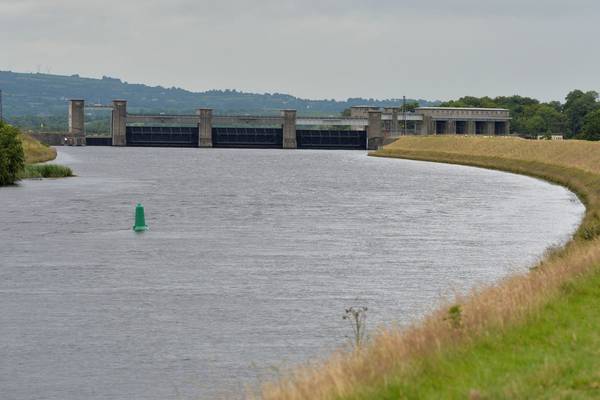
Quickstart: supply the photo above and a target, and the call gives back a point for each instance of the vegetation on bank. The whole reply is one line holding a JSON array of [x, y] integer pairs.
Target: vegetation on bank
[[577, 118], [37, 171], [12, 157], [529, 336], [35, 151], [18, 155]]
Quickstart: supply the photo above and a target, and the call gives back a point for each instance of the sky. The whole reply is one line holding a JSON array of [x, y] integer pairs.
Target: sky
[[319, 49]]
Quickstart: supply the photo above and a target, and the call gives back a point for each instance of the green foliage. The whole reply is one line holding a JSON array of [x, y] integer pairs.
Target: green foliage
[[455, 316], [591, 126], [12, 157], [577, 106], [32, 171], [531, 118], [553, 355]]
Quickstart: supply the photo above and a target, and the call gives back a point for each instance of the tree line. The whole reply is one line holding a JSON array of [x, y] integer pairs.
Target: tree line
[[577, 118]]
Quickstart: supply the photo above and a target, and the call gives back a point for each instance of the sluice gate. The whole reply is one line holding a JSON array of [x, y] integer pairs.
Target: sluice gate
[[365, 127]]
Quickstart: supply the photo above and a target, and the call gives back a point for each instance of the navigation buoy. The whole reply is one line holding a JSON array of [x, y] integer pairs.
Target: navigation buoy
[[140, 220]]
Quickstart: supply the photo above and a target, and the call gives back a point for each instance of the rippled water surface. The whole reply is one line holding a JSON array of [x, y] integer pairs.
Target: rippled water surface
[[251, 259]]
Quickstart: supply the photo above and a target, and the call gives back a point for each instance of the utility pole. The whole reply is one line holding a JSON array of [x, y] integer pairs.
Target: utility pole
[[1, 115], [404, 112]]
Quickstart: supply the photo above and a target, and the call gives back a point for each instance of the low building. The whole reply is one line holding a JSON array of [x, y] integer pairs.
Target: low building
[[441, 120]]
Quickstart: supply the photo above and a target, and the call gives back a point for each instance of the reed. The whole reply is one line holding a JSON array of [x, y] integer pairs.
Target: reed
[[45, 171]]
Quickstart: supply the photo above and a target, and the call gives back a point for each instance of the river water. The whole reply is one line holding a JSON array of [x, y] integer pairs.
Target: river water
[[251, 258]]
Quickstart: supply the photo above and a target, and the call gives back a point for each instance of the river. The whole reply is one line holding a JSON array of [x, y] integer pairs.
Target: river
[[250, 260]]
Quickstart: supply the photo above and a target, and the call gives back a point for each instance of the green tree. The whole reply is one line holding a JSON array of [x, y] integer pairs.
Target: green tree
[[591, 126], [578, 104], [12, 158], [410, 106]]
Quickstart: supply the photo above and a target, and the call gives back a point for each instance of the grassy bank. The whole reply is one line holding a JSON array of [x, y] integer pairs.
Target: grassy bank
[[529, 336], [37, 152]]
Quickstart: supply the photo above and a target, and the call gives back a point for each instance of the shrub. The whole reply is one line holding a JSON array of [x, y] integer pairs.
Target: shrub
[[12, 157]]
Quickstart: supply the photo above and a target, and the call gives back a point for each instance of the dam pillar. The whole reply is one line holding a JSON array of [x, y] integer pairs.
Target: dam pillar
[[490, 128], [119, 123], [395, 124], [77, 122], [374, 131], [471, 130], [205, 127], [450, 127], [289, 129], [427, 126]]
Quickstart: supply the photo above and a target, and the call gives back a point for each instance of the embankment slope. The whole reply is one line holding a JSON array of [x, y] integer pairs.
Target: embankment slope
[[36, 152], [528, 336]]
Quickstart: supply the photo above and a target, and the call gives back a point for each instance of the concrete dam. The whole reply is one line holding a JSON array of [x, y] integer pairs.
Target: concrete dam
[[365, 129]]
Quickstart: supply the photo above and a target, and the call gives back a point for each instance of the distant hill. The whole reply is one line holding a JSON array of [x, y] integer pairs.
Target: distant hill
[[44, 95]]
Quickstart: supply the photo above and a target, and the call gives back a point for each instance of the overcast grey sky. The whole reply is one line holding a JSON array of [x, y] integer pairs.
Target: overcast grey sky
[[435, 49]]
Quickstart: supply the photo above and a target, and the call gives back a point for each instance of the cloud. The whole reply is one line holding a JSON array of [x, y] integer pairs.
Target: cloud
[[326, 48]]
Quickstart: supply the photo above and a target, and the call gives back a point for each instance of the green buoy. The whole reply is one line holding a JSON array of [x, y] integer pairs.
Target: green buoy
[[140, 220]]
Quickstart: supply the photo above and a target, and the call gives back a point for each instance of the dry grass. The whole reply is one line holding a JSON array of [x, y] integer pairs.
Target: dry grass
[[392, 353], [36, 152], [579, 154]]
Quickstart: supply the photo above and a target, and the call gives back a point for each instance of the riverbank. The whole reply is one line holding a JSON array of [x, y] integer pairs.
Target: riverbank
[[528, 336], [36, 153]]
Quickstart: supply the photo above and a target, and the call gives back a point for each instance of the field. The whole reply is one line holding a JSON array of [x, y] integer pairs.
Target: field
[[529, 336]]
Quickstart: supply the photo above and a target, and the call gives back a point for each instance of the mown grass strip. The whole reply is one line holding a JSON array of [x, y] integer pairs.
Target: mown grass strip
[[514, 337], [554, 354]]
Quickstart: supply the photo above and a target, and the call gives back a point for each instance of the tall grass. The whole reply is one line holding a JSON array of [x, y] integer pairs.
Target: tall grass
[[394, 353], [45, 171]]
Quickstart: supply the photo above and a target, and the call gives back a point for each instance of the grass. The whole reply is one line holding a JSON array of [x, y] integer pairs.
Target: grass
[[554, 354], [528, 336], [37, 152], [33, 171]]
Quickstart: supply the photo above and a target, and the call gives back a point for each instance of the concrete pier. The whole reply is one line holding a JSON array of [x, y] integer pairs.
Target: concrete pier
[[471, 127], [374, 131], [205, 127], [490, 128], [119, 123], [394, 126], [76, 122], [451, 127], [289, 129]]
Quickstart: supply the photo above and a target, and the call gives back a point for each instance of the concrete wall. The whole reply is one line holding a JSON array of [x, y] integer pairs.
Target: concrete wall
[[205, 127], [76, 122], [119, 123], [289, 129], [51, 139], [374, 131]]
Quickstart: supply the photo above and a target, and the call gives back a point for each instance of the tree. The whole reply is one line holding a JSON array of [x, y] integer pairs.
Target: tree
[[591, 126], [12, 158], [578, 104], [410, 106]]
